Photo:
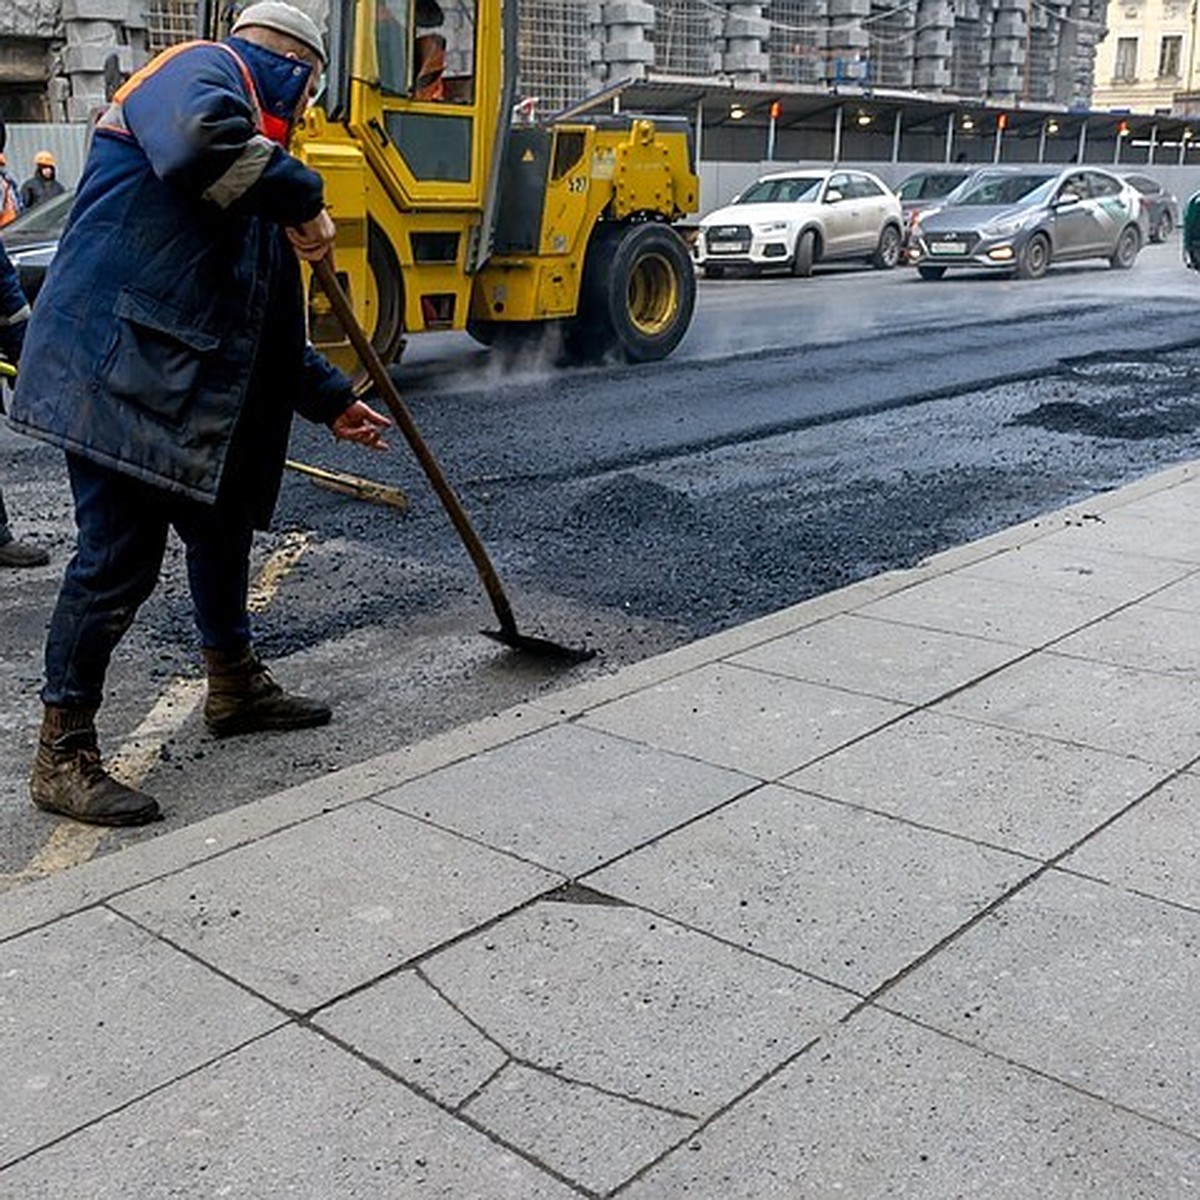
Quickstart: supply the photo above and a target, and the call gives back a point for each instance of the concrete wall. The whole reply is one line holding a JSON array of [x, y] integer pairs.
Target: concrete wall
[[67, 142], [719, 181]]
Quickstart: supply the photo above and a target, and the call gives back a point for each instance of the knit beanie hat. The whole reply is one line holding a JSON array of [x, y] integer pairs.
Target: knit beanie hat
[[283, 18]]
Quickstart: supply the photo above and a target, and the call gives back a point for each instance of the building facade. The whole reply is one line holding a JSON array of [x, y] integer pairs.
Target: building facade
[[1148, 61], [58, 56]]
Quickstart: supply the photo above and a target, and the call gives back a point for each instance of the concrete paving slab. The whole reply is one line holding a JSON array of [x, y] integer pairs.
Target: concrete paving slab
[[326, 1126], [570, 798], [1134, 531], [846, 895], [880, 658], [1143, 637], [1184, 595], [885, 1108], [309, 913], [403, 1024], [1014, 790], [1153, 849], [95, 1012], [593, 1138], [1095, 572], [1083, 982], [633, 1004], [747, 720], [1146, 715], [1015, 613], [172, 850], [1181, 503]]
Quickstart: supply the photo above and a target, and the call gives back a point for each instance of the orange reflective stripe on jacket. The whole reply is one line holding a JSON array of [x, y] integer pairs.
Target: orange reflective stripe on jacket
[[8, 202]]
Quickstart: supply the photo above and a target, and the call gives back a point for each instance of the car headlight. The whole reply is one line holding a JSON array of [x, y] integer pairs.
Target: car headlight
[[1004, 228], [772, 227]]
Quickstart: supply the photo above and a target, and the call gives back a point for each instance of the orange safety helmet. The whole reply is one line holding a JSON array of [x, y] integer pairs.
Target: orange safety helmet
[[43, 158]]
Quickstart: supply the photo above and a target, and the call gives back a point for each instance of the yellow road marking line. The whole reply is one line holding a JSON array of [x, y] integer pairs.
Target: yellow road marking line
[[135, 758], [70, 843], [276, 569]]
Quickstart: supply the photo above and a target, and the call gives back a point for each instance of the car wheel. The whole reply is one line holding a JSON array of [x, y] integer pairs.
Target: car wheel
[[1163, 228], [931, 272], [1034, 257], [887, 253], [1127, 248], [714, 272], [805, 254]]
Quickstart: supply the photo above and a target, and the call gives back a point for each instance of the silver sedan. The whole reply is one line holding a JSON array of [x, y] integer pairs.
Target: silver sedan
[[1022, 219]]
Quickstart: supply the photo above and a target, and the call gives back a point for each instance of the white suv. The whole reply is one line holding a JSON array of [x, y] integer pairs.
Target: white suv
[[798, 218]]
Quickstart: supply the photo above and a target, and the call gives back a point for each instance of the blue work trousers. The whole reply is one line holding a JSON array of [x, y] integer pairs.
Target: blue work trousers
[[123, 525]]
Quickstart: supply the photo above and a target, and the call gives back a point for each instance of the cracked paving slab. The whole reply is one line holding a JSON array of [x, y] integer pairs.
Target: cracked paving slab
[[595, 1138], [632, 1004], [404, 1024]]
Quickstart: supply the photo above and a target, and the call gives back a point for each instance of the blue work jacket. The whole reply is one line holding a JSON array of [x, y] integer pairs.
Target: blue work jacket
[[168, 341]]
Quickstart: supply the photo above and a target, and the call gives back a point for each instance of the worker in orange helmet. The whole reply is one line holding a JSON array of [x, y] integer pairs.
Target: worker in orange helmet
[[43, 184]]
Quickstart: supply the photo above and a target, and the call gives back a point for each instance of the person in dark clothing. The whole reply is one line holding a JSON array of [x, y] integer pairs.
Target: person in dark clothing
[[166, 359], [43, 184], [14, 314]]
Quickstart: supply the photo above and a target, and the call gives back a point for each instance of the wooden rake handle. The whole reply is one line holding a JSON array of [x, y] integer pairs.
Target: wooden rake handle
[[323, 270]]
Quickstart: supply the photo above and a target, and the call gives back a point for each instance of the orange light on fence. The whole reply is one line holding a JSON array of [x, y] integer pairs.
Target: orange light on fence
[[1002, 121], [776, 109]]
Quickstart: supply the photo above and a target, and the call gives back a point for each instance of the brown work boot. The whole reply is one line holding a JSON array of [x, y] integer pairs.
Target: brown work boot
[[69, 780], [22, 554], [243, 698]]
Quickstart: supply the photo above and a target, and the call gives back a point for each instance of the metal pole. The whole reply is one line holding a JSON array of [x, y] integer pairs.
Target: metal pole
[[837, 133], [699, 132], [996, 143], [1042, 144], [1153, 145], [949, 136], [771, 138], [1081, 150], [896, 138], [1117, 148]]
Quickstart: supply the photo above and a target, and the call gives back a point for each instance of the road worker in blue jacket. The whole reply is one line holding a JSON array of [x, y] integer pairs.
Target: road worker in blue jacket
[[166, 355], [14, 316]]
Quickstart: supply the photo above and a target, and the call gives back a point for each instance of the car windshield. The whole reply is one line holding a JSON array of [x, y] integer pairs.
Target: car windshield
[[782, 191], [928, 187], [48, 218], [996, 190]]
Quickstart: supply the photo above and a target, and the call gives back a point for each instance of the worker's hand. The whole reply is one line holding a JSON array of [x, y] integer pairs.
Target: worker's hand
[[314, 239], [361, 423]]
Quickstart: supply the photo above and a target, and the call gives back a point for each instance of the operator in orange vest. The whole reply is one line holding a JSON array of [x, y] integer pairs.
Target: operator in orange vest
[[429, 53]]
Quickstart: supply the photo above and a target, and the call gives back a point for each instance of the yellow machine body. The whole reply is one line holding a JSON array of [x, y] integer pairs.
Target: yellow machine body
[[451, 216]]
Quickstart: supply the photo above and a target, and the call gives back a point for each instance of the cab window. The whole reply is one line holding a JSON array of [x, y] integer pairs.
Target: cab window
[[426, 49]]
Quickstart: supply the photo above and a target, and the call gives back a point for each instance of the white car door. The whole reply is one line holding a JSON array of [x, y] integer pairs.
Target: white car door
[[840, 216], [873, 207]]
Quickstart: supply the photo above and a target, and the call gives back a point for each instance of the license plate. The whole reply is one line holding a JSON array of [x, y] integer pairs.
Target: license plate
[[727, 247], [947, 247]]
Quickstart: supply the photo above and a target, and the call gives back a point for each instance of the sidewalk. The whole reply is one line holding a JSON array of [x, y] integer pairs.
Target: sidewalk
[[894, 893]]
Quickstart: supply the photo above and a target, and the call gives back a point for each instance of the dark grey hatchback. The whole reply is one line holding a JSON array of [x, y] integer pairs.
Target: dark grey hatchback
[[1022, 219]]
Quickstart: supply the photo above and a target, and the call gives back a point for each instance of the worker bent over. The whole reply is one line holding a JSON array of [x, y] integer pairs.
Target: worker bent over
[[166, 355]]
